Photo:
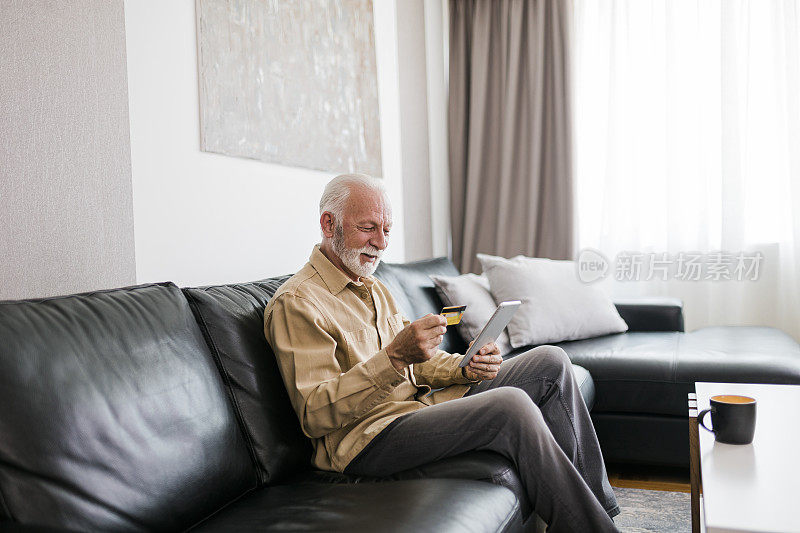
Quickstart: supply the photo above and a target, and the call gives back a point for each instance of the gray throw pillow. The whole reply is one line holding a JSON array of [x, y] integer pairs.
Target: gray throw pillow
[[556, 305], [473, 291]]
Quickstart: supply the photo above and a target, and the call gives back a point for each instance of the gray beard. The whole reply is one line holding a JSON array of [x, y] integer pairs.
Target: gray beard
[[351, 257]]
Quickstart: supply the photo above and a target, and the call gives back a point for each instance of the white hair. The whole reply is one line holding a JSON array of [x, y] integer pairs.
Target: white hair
[[337, 191]]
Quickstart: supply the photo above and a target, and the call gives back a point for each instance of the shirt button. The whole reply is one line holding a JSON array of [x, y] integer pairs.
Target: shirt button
[[364, 295]]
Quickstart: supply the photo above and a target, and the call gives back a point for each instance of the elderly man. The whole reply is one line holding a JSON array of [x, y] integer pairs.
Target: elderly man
[[361, 377]]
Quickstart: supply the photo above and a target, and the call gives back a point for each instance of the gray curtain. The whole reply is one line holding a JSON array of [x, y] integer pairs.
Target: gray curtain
[[510, 132]]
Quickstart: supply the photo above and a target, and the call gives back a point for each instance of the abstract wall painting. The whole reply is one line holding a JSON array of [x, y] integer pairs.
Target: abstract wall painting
[[292, 82]]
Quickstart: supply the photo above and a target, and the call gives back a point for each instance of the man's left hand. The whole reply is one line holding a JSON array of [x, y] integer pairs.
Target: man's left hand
[[485, 364]]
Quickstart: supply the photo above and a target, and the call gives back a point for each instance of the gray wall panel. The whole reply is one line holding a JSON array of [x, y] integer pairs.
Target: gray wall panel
[[66, 213]]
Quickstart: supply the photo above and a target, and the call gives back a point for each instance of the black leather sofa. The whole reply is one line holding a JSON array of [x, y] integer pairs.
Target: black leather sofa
[[159, 408]]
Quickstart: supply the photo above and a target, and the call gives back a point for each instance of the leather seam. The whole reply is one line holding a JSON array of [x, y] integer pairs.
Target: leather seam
[[226, 380], [129, 288], [500, 475], [258, 283], [636, 380], [217, 511]]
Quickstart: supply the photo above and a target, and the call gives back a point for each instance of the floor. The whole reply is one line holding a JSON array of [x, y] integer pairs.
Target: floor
[[663, 504], [672, 479], [656, 511]]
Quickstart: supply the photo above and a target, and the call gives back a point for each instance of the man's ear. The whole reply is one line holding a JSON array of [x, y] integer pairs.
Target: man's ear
[[326, 222]]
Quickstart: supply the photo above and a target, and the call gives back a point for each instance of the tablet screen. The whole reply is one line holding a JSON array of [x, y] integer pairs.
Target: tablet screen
[[492, 329]]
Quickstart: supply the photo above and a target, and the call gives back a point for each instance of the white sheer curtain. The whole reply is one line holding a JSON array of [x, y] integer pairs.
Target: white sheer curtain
[[687, 139]]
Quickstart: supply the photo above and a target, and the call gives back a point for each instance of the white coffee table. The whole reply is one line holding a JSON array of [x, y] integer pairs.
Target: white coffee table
[[753, 487]]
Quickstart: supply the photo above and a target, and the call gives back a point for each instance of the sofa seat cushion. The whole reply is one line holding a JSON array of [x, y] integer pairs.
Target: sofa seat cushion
[[651, 372], [479, 466], [400, 506], [585, 384]]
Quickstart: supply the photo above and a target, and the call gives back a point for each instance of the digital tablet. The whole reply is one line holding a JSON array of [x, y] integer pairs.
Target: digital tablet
[[500, 319]]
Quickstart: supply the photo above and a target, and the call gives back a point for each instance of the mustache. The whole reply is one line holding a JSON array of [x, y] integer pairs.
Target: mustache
[[371, 250]]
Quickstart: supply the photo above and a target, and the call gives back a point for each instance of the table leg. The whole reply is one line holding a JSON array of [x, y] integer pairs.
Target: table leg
[[694, 462]]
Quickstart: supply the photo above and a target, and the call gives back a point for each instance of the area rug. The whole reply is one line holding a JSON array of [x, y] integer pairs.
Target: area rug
[[653, 510]]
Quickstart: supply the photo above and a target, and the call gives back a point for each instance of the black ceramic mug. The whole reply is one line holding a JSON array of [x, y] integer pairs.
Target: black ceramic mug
[[733, 418]]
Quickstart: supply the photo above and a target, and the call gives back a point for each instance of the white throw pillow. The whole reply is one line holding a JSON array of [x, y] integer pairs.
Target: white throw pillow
[[473, 291], [556, 305]]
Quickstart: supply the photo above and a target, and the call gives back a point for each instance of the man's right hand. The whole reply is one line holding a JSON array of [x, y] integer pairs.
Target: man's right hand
[[417, 342]]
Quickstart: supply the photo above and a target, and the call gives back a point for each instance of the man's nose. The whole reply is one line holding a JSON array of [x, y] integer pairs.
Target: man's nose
[[381, 241]]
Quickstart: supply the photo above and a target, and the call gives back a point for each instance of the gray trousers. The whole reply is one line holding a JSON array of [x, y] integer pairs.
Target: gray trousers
[[533, 414]]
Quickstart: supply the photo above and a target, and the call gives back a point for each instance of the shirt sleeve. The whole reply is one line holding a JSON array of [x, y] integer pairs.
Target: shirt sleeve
[[324, 398], [441, 370]]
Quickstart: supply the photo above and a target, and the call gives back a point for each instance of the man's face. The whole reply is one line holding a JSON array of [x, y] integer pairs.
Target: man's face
[[363, 233]]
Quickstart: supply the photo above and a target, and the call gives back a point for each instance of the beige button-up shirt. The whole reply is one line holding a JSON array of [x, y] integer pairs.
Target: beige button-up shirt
[[329, 335]]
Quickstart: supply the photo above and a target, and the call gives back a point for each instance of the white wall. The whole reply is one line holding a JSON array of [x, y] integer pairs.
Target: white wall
[[204, 218]]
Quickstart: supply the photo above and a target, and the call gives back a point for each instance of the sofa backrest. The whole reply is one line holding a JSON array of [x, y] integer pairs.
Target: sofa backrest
[[416, 295], [232, 320], [114, 416]]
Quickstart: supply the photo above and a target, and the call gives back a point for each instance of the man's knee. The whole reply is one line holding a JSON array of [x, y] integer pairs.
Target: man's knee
[[512, 403], [552, 358], [551, 353]]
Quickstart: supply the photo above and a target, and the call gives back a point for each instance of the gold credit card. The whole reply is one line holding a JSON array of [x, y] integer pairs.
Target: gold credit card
[[453, 314]]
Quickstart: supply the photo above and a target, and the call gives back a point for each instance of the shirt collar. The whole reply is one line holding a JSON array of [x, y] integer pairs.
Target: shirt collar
[[335, 279]]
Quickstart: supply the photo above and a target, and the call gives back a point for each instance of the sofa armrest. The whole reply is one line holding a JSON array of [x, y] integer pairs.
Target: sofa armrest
[[652, 314]]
